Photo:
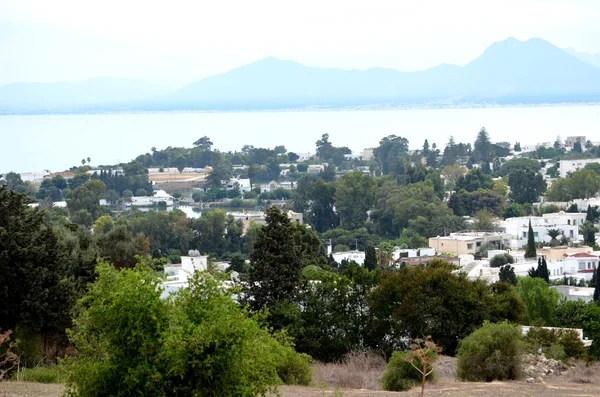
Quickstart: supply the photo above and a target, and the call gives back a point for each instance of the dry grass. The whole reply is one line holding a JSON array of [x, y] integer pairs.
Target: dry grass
[[583, 374], [166, 177], [357, 370]]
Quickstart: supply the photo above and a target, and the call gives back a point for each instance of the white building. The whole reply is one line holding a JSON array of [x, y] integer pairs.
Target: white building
[[149, 201], [567, 166], [302, 157], [177, 275], [356, 256], [518, 227], [367, 154], [573, 293], [243, 185], [316, 169], [33, 176]]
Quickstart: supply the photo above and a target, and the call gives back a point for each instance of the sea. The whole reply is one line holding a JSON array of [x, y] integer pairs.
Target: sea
[[55, 142]]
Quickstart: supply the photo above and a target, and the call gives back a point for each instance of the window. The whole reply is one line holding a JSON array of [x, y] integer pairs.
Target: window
[[589, 265], [568, 221], [470, 246], [574, 222], [524, 234], [535, 234], [571, 233], [581, 265], [479, 243]]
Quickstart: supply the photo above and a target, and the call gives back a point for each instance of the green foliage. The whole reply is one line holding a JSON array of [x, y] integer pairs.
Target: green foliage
[[418, 301], [526, 185], [294, 368], [41, 374], [492, 352], [473, 181], [192, 343], [580, 184], [391, 154], [519, 163], [530, 250], [353, 198], [501, 260], [507, 275], [557, 344], [540, 300], [400, 375]]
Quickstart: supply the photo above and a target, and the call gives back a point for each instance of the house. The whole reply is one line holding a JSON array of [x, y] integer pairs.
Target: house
[[160, 196], [574, 293], [571, 140], [356, 256], [315, 169], [468, 243], [33, 176], [518, 227], [67, 175], [177, 275], [302, 157], [367, 154], [243, 185], [567, 166]]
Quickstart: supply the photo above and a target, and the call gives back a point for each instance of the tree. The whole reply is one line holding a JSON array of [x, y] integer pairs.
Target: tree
[[507, 274], [517, 147], [577, 147], [482, 149], [580, 184], [519, 163], [354, 196], [428, 300], [322, 212], [274, 278], [195, 343], [525, 186], [530, 250], [204, 143], [30, 264], [500, 260], [554, 233], [120, 247], [391, 154], [597, 286], [452, 173], [370, 258], [474, 180], [588, 230], [484, 221], [540, 300]]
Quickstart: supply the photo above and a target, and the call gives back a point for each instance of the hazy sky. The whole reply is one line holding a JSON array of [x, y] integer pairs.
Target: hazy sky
[[174, 42]]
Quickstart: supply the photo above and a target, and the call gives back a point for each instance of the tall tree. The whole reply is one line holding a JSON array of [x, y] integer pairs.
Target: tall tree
[[354, 196], [392, 154], [526, 185], [30, 295], [204, 143], [597, 286], [482, 149], [370, 258], [530, 251], [274, 278]]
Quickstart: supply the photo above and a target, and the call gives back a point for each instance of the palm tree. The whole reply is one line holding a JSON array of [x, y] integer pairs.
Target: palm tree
[[554, 233], [385, 254]]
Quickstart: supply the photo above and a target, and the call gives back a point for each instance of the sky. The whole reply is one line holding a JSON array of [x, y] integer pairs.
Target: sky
[[176, 42]]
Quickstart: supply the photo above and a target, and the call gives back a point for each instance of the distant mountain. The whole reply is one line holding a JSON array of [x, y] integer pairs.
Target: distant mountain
[[507, 71], [109, 93], [510, 71], [592, 59]]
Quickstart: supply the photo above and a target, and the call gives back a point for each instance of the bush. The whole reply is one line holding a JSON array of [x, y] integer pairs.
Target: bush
[[51, 374], [294, 368], [197, 341], [556, 344], [501, 260], [400, 375], [491, 352]]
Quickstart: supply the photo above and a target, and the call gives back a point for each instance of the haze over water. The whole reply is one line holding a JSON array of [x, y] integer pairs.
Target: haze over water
[[56, 142]]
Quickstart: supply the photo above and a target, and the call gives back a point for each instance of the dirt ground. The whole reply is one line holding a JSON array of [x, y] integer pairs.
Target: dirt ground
[[442, 388], [187, 177]]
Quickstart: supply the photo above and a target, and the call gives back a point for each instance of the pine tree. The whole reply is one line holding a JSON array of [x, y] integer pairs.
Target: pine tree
[[370, 258], [274, 277], [530, 251]]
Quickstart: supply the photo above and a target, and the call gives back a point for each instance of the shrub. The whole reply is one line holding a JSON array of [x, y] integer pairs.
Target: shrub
[[294, 368], [132, 340], [491, 352], [400, 375], [557, 344], [501, 260]]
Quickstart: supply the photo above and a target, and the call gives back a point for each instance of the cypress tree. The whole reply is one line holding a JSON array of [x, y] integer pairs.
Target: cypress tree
[[370, 258], [530, 250], [597, 287], [589, 217], [543, 271]]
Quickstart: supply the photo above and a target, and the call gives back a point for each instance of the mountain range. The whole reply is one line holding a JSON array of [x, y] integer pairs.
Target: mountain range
[[510, 71]]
